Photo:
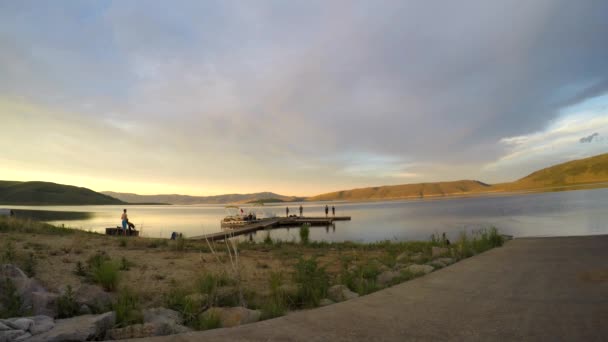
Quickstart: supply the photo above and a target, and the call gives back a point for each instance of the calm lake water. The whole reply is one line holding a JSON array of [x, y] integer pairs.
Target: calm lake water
[[582, 212]]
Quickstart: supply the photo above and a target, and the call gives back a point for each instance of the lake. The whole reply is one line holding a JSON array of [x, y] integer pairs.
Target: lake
[[581, 212]]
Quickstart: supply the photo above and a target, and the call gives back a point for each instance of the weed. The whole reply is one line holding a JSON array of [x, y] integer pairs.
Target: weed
[[10, 300], [106, 275], [275, 305], [180, 244], [80, 270], [209, 320], [304, 234], [127, 308], [122, 241], [66, 304], [9, 254], [125, 264], [312, 281], [29, 265], [268, 239]]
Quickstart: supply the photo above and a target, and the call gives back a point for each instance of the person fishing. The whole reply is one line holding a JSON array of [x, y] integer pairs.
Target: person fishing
[[125, 221], [333, 211], [301, 210], [326, 210], [287, 211]]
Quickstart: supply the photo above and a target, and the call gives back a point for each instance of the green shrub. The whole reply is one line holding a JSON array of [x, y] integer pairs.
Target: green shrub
[[304, 234], [179, 245], [312, 281], [127, 308], [209, 320], [106, 275], [66, 304], [80, 270], [362, 280], [29, 265], [276, 304], [122, 241], [268, 239], [9, 254], [10, 300], [96, 260]]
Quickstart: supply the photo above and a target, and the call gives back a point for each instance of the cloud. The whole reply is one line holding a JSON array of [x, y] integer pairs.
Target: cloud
[[334, 94]]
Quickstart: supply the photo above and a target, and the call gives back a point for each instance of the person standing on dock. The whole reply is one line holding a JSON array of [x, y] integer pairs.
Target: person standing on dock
[[326, 210], [333, 211], [287, 211], [301, 210]]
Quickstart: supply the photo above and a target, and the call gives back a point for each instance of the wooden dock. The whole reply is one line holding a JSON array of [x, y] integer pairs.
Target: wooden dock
[[274, 222]]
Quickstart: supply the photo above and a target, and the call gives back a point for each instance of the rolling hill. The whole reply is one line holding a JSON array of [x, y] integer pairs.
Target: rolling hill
[[186, 200], [590, 170], [46, 193]]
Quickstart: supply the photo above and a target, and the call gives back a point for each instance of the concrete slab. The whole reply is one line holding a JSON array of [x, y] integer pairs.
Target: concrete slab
[[548, 289]]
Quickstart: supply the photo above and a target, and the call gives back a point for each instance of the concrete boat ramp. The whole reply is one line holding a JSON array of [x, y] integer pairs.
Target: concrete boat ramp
[[274, 222], [533, 289]]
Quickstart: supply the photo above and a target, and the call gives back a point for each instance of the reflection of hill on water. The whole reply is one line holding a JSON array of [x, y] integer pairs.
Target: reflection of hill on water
[[52, 215]]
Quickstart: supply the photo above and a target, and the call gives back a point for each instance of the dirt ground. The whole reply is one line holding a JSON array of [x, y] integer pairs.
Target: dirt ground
[[157, 265]]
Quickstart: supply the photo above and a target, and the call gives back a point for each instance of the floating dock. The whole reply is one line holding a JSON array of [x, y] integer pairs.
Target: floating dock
[[274, 222]]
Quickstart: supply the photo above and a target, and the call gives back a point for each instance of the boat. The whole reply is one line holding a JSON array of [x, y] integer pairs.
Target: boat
[[238, 218]]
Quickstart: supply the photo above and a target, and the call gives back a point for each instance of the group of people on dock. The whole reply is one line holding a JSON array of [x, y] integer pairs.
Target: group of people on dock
[[333, 211]]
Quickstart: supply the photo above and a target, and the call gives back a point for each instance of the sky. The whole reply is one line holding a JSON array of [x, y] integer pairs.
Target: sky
[[297, 97]]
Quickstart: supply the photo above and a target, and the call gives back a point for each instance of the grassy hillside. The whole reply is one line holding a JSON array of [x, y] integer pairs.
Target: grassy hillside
[[407, 191], [581, 171], [45, 193], [185, 199], [577, 172]]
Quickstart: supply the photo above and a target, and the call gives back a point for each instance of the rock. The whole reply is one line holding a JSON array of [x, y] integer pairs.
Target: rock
[[420, 269], [132, 331], [156, 315], [44, 303], [79, 328], [436, 264], [4, 327], [19, 323], [386, 278], [84, 310], [23, 337], [446, 261], [416, 257], [94, 297], [439, 251], [41, 324], [339, 293], [402, 257], [231, 317], [326, 302], [146, 330], [13, 335], [24, 286]]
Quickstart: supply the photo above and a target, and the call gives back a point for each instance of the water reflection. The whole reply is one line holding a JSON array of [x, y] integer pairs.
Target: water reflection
[[580, 212]]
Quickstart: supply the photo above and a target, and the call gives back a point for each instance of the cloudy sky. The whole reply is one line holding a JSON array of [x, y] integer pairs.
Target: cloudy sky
[[297, 97]]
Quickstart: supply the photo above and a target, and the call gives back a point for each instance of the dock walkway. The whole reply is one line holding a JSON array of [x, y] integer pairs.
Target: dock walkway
[[271, 223]]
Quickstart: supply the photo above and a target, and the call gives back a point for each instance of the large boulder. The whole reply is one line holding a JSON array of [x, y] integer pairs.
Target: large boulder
[[94, 297], [417, 269], [41, 324], [387, 277], [14, 335], [79, 328], [160, 322], [44, 303], [19, 323], [24, 286], [156, 315], [340, 293], [325, 302], [33, 325], [231, 317]]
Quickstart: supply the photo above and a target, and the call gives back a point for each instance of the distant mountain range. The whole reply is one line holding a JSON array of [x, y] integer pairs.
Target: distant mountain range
[[46, 193], [593, 170], [219, 199], [588, 172]]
